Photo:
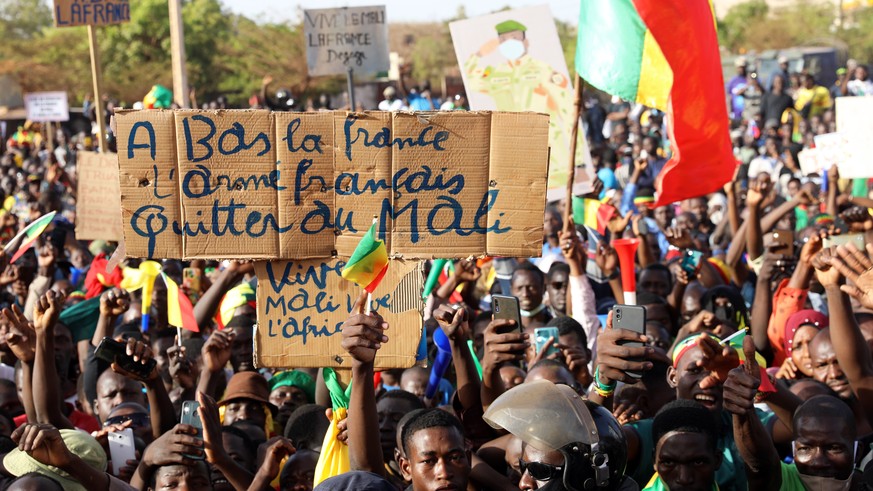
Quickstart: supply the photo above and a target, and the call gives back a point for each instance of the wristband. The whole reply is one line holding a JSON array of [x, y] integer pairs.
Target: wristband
[[602, 389]]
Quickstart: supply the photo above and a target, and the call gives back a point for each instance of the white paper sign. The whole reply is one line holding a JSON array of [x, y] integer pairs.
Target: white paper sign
[[44, 107], [856, 126], [343, 38]]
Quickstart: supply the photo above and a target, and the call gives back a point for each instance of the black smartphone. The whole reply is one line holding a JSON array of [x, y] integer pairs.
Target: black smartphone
[[190, 416], [112, 351], [632, 318], [506, 307]]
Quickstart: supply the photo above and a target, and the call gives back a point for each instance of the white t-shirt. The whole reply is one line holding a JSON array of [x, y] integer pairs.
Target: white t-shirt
[[395, 105], [860, 87]]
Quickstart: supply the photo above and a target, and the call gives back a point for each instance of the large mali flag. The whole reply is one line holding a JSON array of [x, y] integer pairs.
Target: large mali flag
[[622, 46], [368, 263], [180, 311]]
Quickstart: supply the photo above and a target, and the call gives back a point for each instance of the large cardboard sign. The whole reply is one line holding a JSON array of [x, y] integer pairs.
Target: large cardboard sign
[[855, 125], [343, 38], [303, 304], [98, 199], [513, 61], [259, 185], [43, 107], [69, 13]]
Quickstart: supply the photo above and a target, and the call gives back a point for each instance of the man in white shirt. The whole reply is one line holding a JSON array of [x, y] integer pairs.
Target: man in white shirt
[[391, 102]]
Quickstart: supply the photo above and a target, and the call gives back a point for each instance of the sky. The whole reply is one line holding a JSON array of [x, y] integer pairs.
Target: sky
[[396, 10]]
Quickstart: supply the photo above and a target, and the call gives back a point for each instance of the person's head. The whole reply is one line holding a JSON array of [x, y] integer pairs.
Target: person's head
[[527, 284], [778, 84], [664, 216], [513, 39], [242, 349], [727, 304], [34, 481], [9, 400], [161, 341], [435, 454], [686, 446], [800, 329], [807, 388], [512, 376], [658, 334], [685, 375], [556, 285], [825, 367], [299, 471], [390, 93], [553, 371], [137, 414], [552, 223], [414, 380], [239, 447], [691, 301], [808, 81], [19, 463], [741, 65], [861, 72], [570, 333], [655, 279], [824, 440], [587, 450], [289, 390], [182, 477], [793, 187], [306, 427], [390, 409], [697, 206], [114, 389], [247, 398]]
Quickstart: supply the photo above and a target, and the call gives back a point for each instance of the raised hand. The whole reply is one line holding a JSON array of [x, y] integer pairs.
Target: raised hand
[[44, 443], [114, 302], [717, 359], [20, 335], [606, 258], [47, 310], [741, 386], [858, 269], [788, 370], [180, 367], [858, 219], [171, 447], [46, 256], [759, 191], [467, 270], [141, 353], [826, 275], [212, 442], [679, 238], [216, 351], [812, 247], [363, 335], [9, 275], [454, 322], [277, 449], [617, 224], [504, 343], [614, 359]]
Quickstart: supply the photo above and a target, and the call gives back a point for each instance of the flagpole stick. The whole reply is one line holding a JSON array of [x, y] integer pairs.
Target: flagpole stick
[[179, 335], [728, 339], [571, 172], [369, 304]]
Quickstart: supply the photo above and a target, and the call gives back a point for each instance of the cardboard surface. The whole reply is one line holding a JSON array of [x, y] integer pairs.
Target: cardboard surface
[[537, 81], [44, 107], [812, 162], [98, 198], [259, 185], [302, 306], [69, 13], [856, 126], [343, 38]]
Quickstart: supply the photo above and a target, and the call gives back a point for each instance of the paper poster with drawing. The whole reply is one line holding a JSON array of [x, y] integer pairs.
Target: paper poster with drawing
[[513, 61]]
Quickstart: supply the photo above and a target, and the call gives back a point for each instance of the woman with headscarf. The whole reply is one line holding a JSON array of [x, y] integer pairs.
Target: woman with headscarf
[[801, 327]]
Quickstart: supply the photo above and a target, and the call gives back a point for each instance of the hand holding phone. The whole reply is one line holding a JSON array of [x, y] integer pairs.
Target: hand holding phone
[[121, 448], [112, 351], [631, 318], [506, 307], [190, 416], [542, 335]]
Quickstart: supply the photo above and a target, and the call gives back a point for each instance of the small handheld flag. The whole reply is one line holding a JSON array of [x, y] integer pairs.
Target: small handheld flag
[[144, 278], [180, 312], [27, 237], [368, 264], [735, 341]]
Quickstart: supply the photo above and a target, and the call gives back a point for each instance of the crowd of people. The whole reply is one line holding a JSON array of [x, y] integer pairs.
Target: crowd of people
[[753, 369]]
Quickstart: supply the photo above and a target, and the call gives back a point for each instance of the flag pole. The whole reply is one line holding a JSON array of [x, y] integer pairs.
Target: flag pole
[[571, 171]]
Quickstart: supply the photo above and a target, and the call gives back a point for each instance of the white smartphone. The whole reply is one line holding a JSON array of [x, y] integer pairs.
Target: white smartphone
[[121, 448]]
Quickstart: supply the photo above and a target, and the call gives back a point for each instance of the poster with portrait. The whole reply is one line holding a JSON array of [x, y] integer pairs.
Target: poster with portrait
[[513, 61]]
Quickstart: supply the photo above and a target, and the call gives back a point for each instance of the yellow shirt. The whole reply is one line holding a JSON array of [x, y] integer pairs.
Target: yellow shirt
[[818, 96]]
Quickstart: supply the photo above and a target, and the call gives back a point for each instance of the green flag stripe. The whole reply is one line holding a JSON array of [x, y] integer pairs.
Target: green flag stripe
[[609, 51], [367, 246]]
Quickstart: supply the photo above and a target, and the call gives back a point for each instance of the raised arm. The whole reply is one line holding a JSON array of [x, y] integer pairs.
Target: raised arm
[[759, 455], [504, 343], [21, 339], [456, 326], [209, 302], [363, 335], [47, 398], [162, 414], [759, 191]]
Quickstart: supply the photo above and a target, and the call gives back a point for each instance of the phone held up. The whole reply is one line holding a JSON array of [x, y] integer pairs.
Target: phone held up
[[632, 318]]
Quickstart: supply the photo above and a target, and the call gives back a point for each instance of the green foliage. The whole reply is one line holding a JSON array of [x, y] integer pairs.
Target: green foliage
[[23, 19], [735, 24]]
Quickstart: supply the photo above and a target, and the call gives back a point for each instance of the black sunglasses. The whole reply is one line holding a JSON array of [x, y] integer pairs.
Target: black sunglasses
[[138, 419], [541, 471]]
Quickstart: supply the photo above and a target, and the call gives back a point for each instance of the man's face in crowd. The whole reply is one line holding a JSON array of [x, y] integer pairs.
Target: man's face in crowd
[[437, 460], [793, 188], [557, 288], [512, 376], [9, 401], [159, 348], [686, 378], [551, 224], [242, 351], [697, 206], [659, 313], [823, 446], [182, 477], [691, 305], [533, 454], [299, 473], [655, 281], [663, 216], [825, 367], [414, 380], [861, 73], [527, 287], [287, 398], [113, 389], [237, 451], [390, 411], [658, 335], [245, 410], [141, 426], [685, 461]]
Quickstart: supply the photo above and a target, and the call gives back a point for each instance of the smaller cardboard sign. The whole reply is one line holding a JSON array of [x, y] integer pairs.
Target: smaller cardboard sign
[[43, 107], [69, 13], [856, 126], [302, 306], [343, 38], [98, 198]]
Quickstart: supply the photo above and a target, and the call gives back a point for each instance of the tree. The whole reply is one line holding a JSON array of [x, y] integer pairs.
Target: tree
[[23, 19]]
